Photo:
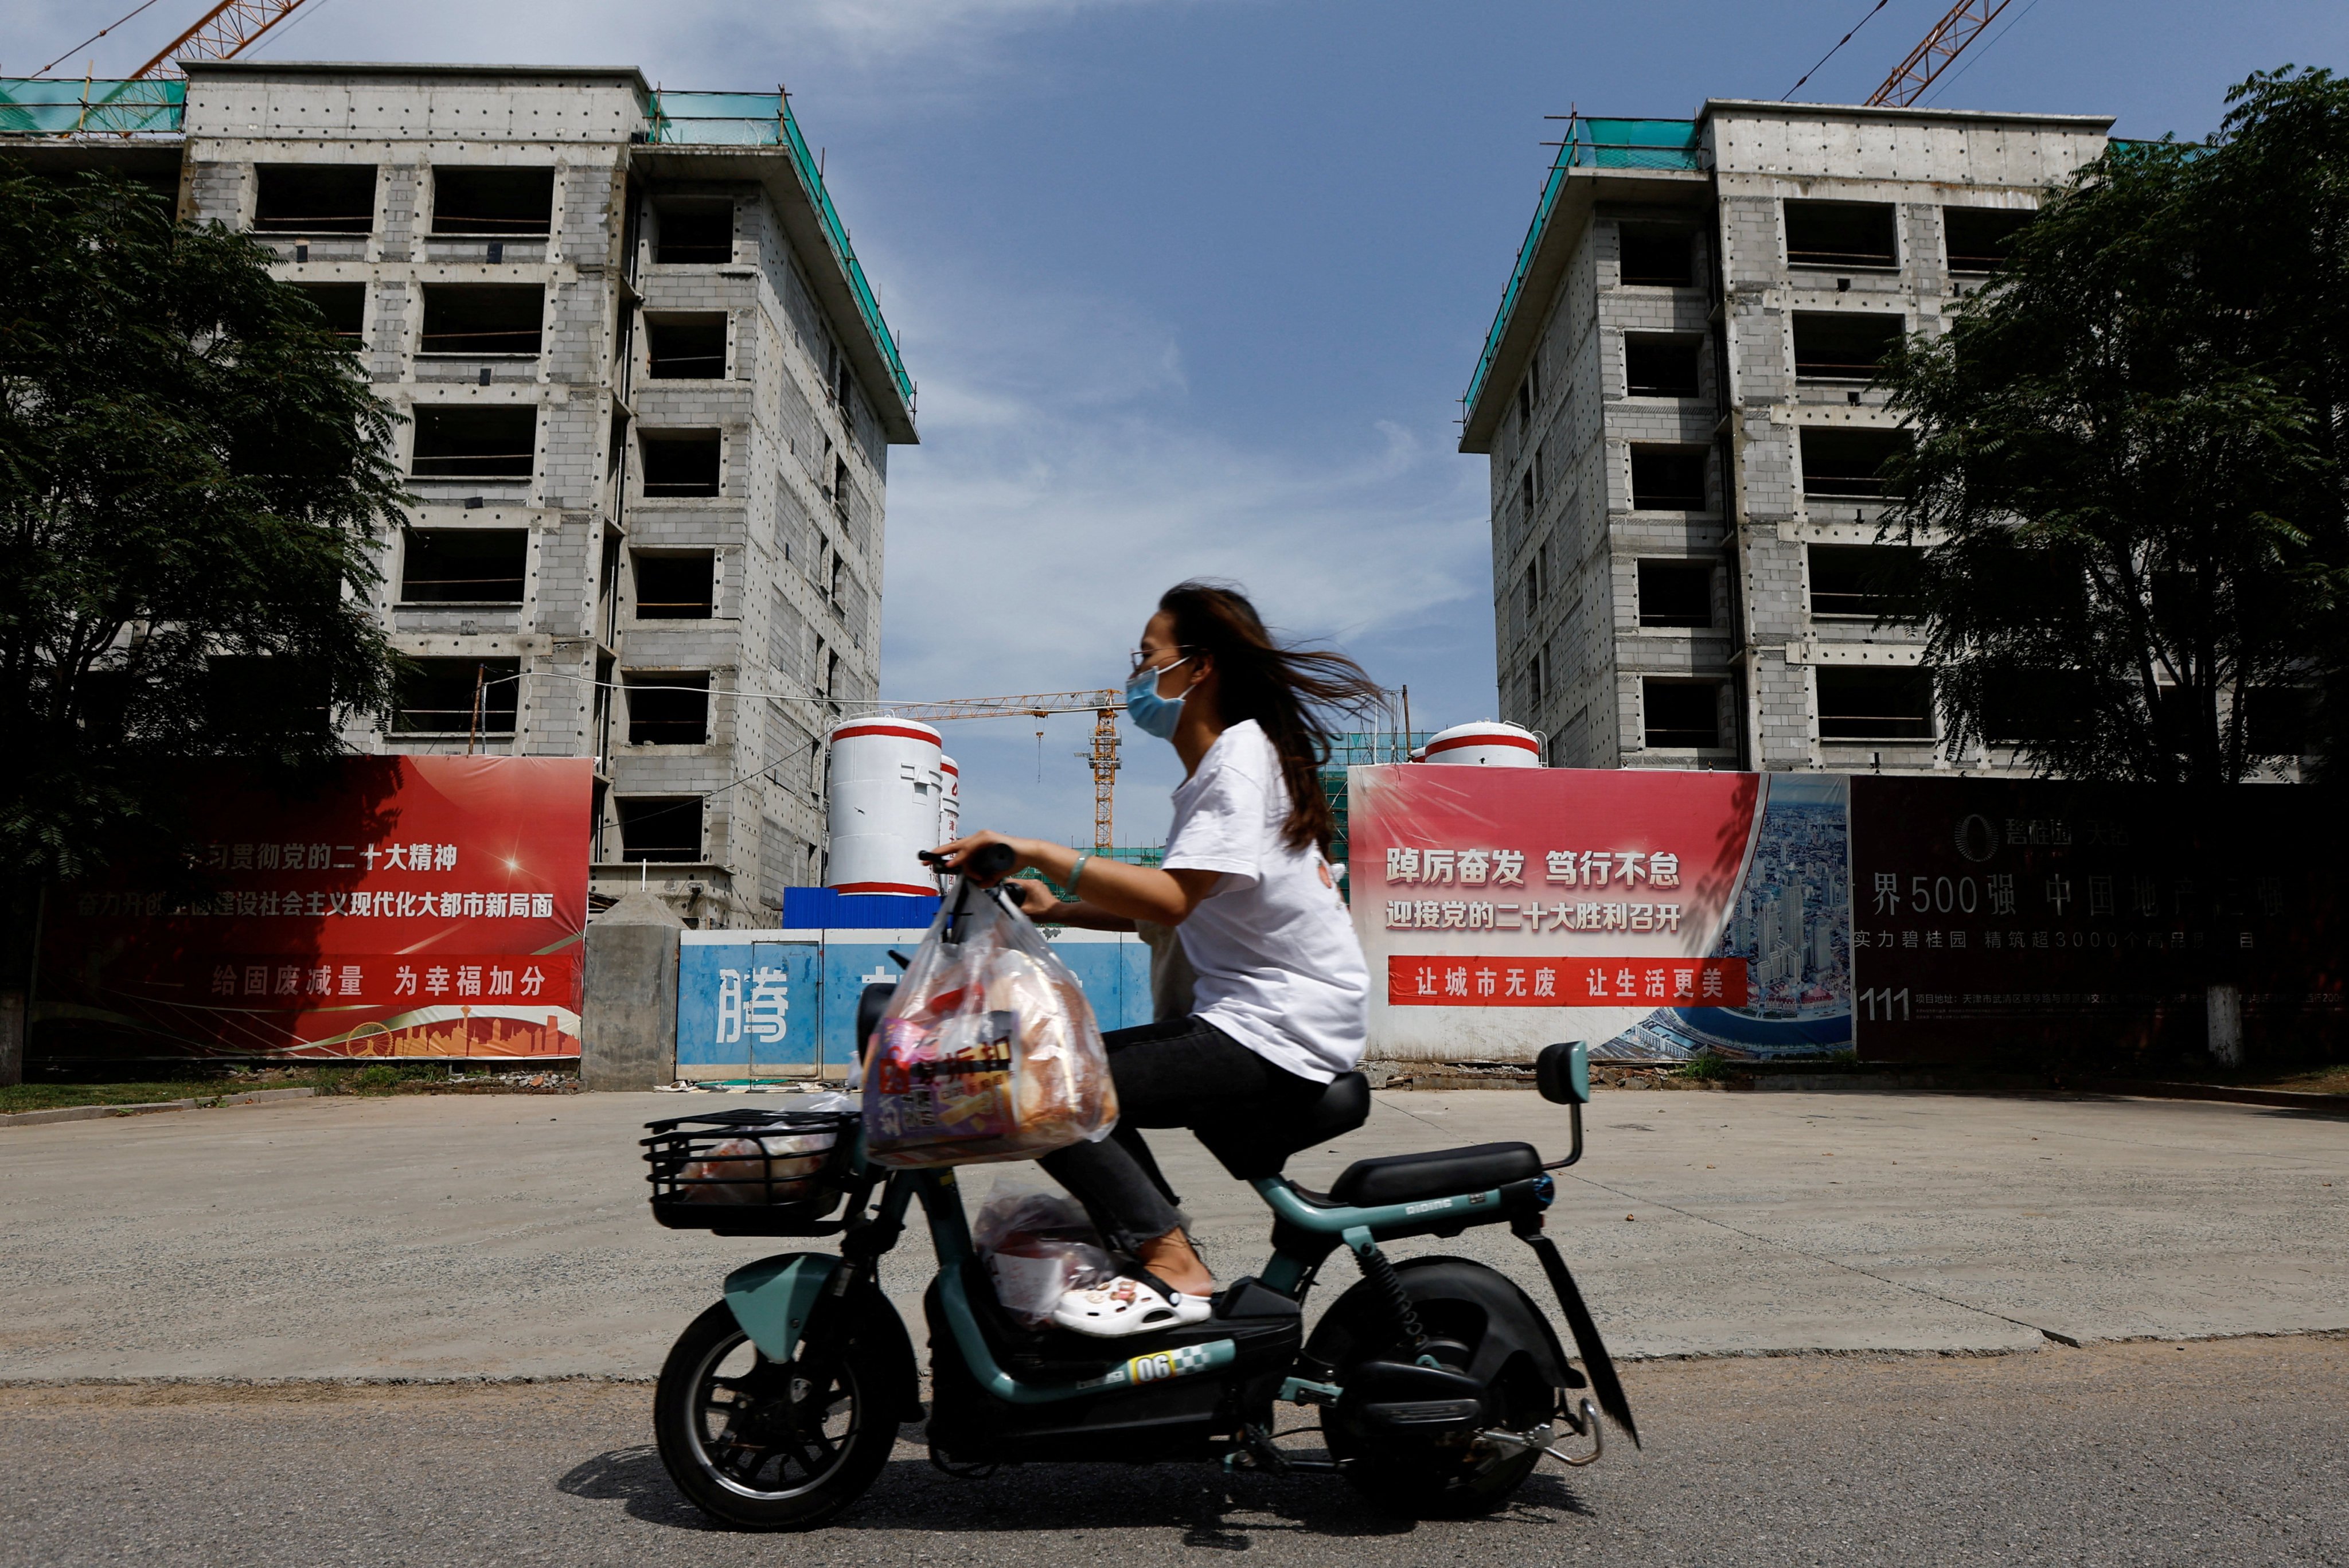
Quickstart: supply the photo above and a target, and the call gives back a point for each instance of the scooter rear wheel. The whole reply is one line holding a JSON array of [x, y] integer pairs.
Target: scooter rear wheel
[[766, 1445]]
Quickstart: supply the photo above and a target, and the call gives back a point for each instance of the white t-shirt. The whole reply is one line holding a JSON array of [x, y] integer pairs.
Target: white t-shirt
[[1280, 970]]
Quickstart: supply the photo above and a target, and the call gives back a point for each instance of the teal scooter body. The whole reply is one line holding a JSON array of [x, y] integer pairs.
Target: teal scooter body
[[1437, 1380]]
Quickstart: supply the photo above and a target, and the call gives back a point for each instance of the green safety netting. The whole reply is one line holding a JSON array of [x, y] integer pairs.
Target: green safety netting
[[1631, 144], [1666, 144], [41, 106], [764, 119]]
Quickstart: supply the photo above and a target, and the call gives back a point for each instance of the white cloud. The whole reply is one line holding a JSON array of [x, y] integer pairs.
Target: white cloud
[[1063, 482]]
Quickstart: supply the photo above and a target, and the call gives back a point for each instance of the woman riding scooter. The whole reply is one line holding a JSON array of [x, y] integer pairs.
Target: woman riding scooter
[[1281, 991]]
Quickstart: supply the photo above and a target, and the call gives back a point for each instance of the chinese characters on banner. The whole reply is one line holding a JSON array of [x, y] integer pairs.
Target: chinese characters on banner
[[1669, 911], [1657, 914], [2074, 921], [424, 906]]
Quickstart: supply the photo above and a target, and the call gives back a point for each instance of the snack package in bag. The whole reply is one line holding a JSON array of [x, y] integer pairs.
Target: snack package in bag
[[989, 1049], [1038, 1248]]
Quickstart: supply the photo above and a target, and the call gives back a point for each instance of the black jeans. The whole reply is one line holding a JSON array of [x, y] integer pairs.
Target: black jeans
[[1185, 1073]]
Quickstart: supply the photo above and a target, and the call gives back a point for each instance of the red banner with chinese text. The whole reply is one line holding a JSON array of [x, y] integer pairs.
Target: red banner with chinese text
[[415, 907], [1514, 981]]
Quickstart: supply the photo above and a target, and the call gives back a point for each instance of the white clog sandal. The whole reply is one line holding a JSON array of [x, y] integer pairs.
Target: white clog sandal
[[1124, 1306]]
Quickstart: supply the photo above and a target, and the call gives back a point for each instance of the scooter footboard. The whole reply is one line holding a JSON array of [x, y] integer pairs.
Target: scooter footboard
[[1175, 1394]]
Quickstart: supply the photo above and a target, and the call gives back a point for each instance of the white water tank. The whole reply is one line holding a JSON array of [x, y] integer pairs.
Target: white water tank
[[886, 783], [1486, 743], [949, 801]]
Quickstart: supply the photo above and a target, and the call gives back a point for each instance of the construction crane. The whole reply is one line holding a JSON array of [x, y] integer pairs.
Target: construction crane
[[222, 33], [1104, 706], [1959, 25]]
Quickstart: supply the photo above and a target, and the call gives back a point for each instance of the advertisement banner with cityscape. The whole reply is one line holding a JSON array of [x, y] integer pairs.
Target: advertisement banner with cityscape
[[2045, 916], [417, 907], [1770, 916]]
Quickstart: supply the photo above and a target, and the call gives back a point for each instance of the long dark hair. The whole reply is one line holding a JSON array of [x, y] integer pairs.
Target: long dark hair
[[1287, 690]]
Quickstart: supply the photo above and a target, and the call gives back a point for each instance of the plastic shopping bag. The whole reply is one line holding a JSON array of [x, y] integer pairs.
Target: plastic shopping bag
[[1038, 1248], [776, 1169], [989, 1049]]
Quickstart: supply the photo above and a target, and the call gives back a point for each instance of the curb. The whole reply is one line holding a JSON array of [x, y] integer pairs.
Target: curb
[[2328, 1104], [97, 1113]]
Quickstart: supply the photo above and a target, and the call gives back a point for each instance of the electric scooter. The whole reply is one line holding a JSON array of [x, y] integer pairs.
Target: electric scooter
[[1440, 1386]]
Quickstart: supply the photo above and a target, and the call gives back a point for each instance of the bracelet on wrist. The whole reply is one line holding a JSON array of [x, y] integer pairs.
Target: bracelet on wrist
[[1076, 874]]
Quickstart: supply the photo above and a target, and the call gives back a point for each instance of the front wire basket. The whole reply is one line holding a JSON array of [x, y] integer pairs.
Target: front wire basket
[[751, 1172]]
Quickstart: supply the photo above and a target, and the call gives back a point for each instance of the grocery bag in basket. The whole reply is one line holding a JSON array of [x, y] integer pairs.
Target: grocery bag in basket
[[989, 1049]]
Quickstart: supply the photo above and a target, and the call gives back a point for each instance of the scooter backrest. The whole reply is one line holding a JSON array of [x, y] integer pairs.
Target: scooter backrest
[[1562, 1073]]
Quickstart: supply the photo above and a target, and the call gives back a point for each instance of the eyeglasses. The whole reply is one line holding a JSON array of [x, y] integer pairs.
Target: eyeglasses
[[1141, 656]]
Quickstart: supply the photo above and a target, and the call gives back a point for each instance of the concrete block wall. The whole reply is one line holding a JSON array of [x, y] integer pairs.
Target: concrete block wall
[[798, 575], [1764, 646]]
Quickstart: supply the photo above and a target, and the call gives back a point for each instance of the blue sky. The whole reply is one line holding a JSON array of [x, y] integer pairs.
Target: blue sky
[[1194, 285]]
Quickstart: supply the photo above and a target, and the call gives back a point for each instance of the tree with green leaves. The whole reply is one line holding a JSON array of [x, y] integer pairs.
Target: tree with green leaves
[[193, 484], [2127, 474]]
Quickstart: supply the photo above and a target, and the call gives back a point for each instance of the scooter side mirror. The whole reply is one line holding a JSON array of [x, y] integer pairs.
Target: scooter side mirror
[[1562, 1073]]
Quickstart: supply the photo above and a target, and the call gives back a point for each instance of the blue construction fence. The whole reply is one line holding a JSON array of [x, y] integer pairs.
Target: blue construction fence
[[782, 1003]]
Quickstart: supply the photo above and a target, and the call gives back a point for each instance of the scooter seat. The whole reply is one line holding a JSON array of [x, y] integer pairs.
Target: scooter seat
[[1406, 1178]]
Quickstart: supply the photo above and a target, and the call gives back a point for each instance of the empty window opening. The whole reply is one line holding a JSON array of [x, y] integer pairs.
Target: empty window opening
[[343, 305], [1843, 348], [686, 347], [681, 462], [2019, 707], [1657, 258], [492, 201], [1858, 703], [2276, 719], [464, 566], [840, 489], [661, 829], [314, 198], [1655, 365], [250, 695], [694, 232], [1978, 238], [457, 697], [668, 708], [478, 318], [678, 585], [1537, 679], [1840, 233], [463, 440], [1675, 593], [1681, 715], [1862, 581], [1847, 463], [1668, 478]]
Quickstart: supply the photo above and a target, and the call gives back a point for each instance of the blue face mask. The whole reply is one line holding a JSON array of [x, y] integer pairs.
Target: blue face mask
[[1154, 715]]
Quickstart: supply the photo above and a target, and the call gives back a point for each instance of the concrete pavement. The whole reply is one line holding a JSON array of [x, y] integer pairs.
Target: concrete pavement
[[506, 1236]]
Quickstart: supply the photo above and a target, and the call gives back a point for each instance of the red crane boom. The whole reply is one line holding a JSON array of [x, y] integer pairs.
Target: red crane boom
[[1960, 25], [220, 33]]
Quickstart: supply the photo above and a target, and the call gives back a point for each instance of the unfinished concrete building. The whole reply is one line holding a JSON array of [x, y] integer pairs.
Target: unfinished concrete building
[[1674, 397], [647, 401]]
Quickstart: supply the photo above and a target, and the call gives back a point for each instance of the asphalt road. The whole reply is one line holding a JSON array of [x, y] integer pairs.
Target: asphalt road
[[2229, 1452]]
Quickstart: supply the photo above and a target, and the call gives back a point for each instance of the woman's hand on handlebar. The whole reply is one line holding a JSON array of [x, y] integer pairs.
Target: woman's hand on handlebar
[[991, 867]]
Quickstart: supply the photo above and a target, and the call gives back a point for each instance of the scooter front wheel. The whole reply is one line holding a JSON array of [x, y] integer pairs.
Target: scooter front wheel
[[770, 1445]]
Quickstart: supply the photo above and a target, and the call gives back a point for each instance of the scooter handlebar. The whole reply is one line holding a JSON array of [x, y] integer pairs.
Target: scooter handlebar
[[989, 862]]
